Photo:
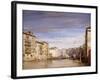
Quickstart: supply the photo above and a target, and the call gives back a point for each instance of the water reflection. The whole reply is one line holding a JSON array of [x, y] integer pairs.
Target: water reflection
[[52, 64]]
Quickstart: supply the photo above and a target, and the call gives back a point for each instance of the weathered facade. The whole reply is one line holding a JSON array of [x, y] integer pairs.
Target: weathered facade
[[29, 46], [86, 56], [33, 49], [45, 50], [41, 50], [88, 45]]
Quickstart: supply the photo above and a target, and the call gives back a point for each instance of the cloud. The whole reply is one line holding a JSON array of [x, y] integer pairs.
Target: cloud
[[45, 21], [59, 29], [66, 42]]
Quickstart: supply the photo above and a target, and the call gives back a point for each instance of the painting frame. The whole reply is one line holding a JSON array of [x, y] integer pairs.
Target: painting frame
[[14, 39]]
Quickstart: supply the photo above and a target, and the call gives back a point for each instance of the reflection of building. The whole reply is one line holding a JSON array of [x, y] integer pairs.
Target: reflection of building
[[33, 49]]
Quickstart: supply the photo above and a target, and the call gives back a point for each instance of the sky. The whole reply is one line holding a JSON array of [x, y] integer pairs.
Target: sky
[[59, 29]]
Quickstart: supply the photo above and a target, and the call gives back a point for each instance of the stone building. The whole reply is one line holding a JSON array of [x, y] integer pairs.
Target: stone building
[[64, 53], [88, 40], [45, 49], [88, 45], [38, 50], [86, 56], [34, 49], [28, 46], [54, 51], [41, 50]]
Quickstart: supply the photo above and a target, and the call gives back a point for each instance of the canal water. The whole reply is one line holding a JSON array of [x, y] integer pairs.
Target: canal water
[[52, 64]]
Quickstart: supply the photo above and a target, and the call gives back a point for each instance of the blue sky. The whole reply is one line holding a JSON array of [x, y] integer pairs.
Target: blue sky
[[59, 29]]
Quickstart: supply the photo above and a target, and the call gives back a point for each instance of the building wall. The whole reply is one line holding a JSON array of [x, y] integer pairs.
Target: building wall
[[64, 53], [34, 49], [88, 41], [55, 52], [45, 50], [41, 50], [28, 46], [38, 51]]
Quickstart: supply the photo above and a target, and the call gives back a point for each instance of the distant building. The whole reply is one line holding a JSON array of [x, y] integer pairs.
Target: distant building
[[64, 53], [54, 51]]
